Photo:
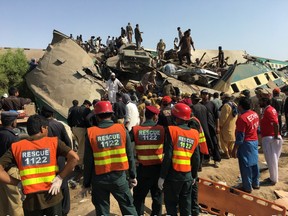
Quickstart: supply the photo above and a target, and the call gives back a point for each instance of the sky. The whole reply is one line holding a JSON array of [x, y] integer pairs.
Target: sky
[[256, 26]]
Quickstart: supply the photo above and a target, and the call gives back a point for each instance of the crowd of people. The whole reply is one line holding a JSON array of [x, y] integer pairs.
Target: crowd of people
[[183, 45], [156, 144], [138, 138], [174, 137]]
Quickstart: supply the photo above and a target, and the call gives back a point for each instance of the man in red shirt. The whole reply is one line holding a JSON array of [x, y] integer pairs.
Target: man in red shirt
[[246, 145], [271, 138]]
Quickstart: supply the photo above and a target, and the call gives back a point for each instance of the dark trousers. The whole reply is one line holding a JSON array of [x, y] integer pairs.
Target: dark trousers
[[64, 187], [66, 199], [146, 184], [188, 57], [121, 192], [194, 199], [178, 193], [51, 211]]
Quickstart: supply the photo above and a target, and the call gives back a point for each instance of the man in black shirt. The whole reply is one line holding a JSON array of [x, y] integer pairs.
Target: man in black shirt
[[13, 102], [213, 125], [119, 109], [277, 103], [77, 121], [57, 129]]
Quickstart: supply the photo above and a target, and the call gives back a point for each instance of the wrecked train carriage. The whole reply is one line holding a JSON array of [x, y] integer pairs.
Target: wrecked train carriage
[[64, 73]]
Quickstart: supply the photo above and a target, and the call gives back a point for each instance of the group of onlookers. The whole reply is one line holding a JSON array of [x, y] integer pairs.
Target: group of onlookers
[[143, 141]]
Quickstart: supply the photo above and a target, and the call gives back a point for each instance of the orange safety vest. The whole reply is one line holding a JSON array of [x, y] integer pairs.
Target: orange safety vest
[[202, 139], [149, 144], [109, 148], [184, 144], [37, 163]]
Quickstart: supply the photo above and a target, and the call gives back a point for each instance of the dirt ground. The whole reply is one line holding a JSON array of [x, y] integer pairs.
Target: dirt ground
[[227, 172]]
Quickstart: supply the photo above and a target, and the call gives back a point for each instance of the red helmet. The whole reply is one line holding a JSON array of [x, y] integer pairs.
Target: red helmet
[[103, 107], [181, 111]]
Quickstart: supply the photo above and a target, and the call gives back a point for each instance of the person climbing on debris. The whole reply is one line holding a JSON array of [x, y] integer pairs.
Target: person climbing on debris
[[148, 81], [129, 32], [161, 46], [180, 33], [185, 43], [112, 87], [220, 57], [138, 36]]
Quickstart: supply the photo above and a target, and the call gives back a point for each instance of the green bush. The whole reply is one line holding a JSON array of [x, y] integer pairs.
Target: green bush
[[13, 66]]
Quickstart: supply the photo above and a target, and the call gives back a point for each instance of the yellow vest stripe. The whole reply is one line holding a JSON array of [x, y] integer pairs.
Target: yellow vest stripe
[[182, 153], [110, 152], [38, 180], [147, 147], [38, 170], [110, 161], [201, 140], [181, 161], [150, 157]]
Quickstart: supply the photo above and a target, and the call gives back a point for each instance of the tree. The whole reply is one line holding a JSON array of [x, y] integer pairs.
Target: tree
[[13, 66]]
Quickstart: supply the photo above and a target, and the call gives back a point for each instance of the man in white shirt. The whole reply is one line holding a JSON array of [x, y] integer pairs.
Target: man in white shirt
[[132, 114], [112, 87]]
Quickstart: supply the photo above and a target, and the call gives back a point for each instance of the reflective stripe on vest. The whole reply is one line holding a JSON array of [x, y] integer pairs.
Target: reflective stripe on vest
[[109, 148], [31, 181], [184, 144], [149, 144], [37, 163], [202, 139], [38, 170]]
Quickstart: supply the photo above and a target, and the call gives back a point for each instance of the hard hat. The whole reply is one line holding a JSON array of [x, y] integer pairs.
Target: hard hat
[[166, 99], [181, 111], [103, 107], [276, 91]]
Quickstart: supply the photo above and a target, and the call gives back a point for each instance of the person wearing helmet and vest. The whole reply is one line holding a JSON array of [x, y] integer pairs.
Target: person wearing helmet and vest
[[36, 159], [149, 138], [108, 155], [181, 161]]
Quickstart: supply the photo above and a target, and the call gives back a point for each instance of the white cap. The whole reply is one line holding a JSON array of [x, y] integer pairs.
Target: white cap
[[112, 74]]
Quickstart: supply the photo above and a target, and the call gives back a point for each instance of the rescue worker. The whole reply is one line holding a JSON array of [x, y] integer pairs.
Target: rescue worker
[[36, 158], [161, 46], [165, 118], [246, 145], [180, 164], [108, 155], [271, 138], [11, 203], [149, 138]]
